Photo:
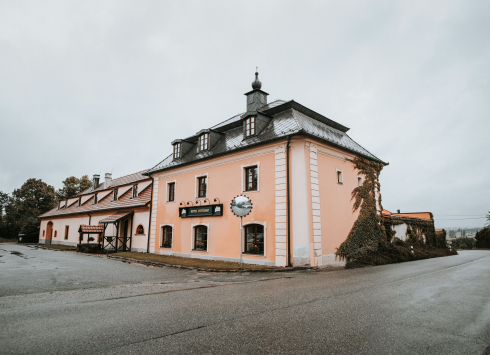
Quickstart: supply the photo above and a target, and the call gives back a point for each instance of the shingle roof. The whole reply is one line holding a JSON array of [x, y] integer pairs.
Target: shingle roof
[[124, 180], [289, 118], [116, 217], [91, 229], [106, 204]]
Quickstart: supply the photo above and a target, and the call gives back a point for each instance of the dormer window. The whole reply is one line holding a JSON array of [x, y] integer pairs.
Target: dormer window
[[204, 141], [135, 191], [177, 150], [95, 199], [79, 201], [115, 195], [250, 126]]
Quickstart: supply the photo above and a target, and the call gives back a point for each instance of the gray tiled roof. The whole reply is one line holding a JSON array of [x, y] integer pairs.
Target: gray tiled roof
[[288, 118], [123, 180]]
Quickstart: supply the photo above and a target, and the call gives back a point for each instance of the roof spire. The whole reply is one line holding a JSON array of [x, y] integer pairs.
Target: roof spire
[[256, 84]]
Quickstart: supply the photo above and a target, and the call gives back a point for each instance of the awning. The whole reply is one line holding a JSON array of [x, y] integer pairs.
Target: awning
[[116, 217], [85, 229]]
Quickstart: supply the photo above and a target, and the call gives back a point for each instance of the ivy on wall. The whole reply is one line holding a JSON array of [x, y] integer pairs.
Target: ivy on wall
[[416, 230], [367, 233]]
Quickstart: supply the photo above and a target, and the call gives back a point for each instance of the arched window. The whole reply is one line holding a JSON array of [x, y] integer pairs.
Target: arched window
[[55, 234], [201, 238], [166, 237], [140, 230], [254, 239]]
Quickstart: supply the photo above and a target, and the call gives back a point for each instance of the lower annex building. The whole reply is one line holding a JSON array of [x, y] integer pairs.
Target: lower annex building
[[292, 162]]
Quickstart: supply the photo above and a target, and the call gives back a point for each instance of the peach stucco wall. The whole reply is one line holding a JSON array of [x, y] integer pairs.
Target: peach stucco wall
[[225, 181], [336, 212]]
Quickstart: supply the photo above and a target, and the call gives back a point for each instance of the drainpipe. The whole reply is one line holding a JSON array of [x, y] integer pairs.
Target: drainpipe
[[288, 262], [149, 218]]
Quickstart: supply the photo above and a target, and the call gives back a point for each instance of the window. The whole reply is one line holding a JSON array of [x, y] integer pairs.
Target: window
[[177, 150], [201, 192], [135, 191], [44, 232], [204, 141], [359, 181], [339, 177], [95, 199], [140, 230], [251, 178], [167, 237], [201, 238], [66, 232], [171, 191], [55, 234], [254, 239], [79, 201], [250, 126], [115, 195]]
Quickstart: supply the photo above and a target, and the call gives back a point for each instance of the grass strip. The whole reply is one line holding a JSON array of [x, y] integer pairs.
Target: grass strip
[[192, 262]]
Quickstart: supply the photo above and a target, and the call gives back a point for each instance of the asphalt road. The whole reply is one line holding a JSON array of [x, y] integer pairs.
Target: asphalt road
[[54, 302]]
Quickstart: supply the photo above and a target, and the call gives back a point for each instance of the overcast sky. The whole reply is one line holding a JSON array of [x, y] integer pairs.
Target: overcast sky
[[98, 86]]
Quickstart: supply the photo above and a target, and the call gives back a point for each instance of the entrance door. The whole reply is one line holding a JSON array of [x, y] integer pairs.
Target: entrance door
[[49, 233], [125, 234]]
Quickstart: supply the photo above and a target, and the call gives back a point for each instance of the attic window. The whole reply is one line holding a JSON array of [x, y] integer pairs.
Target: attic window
[[95, 199], [204, 141], [135, 191], [340, 179], [115, 195], [177, 150], [250, 126], [79, 201]]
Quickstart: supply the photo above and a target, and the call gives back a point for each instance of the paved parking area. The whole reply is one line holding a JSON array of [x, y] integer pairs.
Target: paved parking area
[[54, 302]]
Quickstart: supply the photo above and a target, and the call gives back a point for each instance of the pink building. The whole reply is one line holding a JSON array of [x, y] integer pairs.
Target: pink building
[[293, 164]]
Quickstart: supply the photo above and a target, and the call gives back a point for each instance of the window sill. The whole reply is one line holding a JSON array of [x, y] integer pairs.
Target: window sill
[[250, 191], [139, 235], [247, 253], [340, 183], [169, 201], [162, 247], [202, 251]]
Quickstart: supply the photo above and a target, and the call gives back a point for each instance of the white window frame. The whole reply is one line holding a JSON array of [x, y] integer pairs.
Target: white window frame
[[167, 191], [248, 121], [341, 180], [204, 142], [264, 224], [243, 167], [177, 149], [161, 235], [196, 189], [193, 233]]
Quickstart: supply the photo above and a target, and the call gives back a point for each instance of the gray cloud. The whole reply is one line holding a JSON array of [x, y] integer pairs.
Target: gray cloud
[[87, 87]]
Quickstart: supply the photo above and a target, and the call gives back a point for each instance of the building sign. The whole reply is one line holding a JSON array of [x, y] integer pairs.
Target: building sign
[[201, 211]]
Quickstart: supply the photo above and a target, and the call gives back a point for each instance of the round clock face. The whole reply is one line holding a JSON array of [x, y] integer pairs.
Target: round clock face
[[241, 206]]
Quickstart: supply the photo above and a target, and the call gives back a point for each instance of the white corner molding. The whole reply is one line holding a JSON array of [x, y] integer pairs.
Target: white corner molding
[[315, 205], [281, 209], [153, 220]]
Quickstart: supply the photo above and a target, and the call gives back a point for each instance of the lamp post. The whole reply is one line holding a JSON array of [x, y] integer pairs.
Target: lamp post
[[241, 206]]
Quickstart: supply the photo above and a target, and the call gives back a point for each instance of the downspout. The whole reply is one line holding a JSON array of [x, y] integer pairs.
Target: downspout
[[288, 262], [149, 218]]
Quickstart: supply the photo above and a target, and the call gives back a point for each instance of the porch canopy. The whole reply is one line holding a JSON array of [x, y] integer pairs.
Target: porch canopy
[[116, 217], [118, 242]]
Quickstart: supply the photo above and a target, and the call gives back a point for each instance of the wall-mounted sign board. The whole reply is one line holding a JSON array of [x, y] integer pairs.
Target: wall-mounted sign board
[[201, 211]]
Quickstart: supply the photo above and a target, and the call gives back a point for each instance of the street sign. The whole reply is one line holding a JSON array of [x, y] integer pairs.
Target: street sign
[[241, 206]]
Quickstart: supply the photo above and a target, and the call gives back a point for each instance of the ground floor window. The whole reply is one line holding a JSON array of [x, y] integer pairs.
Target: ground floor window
[[167, 237], [66, 232], [140, 230], [254, 239], [55, 234], [201, 238]]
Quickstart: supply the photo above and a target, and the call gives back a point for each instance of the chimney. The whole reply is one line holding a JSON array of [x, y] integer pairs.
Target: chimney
[[398, 211], [108, 180], [95, 181]]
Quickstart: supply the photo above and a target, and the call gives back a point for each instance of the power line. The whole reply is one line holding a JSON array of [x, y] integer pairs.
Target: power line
[[457, 219], [457, 215]]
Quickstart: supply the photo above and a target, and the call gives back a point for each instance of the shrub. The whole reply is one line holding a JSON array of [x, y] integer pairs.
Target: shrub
[[464, 243], [483, 238]]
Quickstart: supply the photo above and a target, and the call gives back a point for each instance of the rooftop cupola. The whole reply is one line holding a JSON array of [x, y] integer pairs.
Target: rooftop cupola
[[256, 83], [256, 98]]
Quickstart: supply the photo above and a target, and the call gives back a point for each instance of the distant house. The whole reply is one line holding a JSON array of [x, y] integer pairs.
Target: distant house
[[405, 219]]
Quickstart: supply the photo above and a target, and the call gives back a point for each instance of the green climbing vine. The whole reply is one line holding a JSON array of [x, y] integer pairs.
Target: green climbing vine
[[368, 232]]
